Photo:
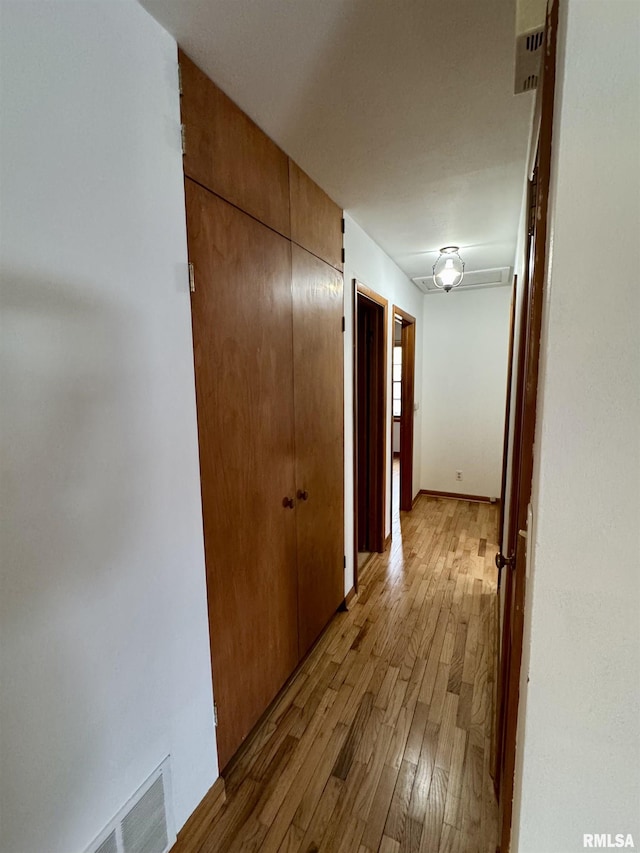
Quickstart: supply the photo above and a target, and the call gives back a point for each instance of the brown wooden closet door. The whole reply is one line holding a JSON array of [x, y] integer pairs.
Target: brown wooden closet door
[[228, 153], [316, 220], [241, 313], [319, 413]]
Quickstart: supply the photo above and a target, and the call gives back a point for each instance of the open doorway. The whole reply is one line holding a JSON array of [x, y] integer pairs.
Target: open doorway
[[370, 404], [403, 384]]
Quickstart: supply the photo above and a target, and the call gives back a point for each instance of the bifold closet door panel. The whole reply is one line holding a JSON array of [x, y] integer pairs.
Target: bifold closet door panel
[[228, 153], [316, 220], [242, 314], [319, 419]]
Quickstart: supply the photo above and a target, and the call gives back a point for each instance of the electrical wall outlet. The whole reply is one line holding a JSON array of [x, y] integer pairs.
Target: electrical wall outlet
[[458, 475]]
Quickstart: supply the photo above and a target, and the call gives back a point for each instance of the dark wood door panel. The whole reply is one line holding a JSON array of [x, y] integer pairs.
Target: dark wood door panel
[[363, 420], [316, 220], [228, 153], [243, 364], [319, 418], [370, 423]]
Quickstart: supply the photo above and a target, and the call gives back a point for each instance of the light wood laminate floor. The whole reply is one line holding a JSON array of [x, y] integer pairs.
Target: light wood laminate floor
[[381, 742]]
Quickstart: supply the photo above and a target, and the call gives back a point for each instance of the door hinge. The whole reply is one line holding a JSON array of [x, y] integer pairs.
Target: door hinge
[[343, 255], [502, 561], [215, 715], [183, 139], [344, 324], [179, 79], [343, 225], [192, 278], [344, 562]]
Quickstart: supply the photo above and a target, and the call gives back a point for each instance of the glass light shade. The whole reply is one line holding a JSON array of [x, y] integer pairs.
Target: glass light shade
[[448, 270]]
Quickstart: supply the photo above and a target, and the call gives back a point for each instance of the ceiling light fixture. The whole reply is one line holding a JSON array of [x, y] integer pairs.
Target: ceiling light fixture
[[448, 270]]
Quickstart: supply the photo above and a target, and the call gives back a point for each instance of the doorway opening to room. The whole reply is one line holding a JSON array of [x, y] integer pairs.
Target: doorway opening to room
[[370, 404], [403, 384]]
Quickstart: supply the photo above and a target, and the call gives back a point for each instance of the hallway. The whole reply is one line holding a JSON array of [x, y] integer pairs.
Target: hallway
[[381, 742]]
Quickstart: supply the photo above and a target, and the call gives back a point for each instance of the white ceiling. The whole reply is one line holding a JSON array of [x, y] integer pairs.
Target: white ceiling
[[402, 110]]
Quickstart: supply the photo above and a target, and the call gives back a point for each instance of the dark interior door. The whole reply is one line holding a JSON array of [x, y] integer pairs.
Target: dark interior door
[[371, 369], [242, 335]]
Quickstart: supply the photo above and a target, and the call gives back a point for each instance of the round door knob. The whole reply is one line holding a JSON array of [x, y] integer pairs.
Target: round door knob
[[288, 503], [303, 494]]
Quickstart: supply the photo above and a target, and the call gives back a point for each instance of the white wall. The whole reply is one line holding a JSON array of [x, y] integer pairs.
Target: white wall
[[579, 730], [465, 337], [104, 649], [366, 262]]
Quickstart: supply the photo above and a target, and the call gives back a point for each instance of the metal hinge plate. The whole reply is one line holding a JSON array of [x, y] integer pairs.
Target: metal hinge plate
[[179, 79], [183, 139], [502, 561], [215, 715], [344, 325], [192, 278]]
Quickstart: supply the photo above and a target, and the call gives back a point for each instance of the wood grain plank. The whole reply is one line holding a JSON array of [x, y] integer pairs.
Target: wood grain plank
[[344, 822], [447, 731], [434, 812], [416, 733], [322, 815], [375, 768], [394, 826], [457, 660], [424, 773], [388, 845], [321, 778], [345, 758], [292, 840], [450, 841], [454, 788], [380, 807]]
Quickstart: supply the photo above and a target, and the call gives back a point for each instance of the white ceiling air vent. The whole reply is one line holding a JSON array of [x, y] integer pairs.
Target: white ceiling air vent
[[496, 277], [145, 823], [528, 56]]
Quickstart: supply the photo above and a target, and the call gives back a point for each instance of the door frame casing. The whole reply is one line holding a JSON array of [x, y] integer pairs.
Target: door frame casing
[[502, 564], [408, 398], [526, 411], [506, 447], [361, 291]]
